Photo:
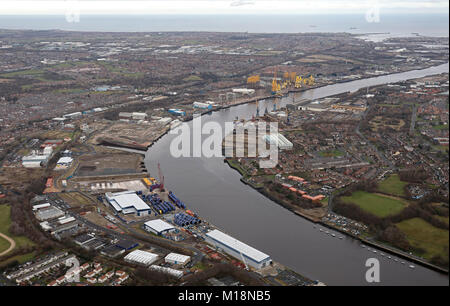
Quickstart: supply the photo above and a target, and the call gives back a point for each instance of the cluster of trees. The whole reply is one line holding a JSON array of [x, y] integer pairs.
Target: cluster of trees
[[152, 277], [22, 224], [291, 197], [413, 175]]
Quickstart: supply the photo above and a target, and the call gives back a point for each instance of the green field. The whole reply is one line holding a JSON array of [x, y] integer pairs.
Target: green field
[[331, 153], [440, 127], [422, 235], [375, 204], [5, 222], [392, 185]]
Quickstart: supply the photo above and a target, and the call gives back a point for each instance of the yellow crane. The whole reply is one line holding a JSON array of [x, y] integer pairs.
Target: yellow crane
[[298, 81], [253, 80], [275, 86]]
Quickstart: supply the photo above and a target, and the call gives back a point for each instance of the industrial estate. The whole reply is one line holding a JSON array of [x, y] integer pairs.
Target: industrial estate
[[80, 110]]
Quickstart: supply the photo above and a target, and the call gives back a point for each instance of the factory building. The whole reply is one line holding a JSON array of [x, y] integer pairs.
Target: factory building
[[128, 202], [177, 112], [49, 213], [279, 140], [64, 162], [73, 115], [34, 160], [202, 105], [170, 271], [244, 91], [158, 227], [177, 259], [141, 258], [250, 256]]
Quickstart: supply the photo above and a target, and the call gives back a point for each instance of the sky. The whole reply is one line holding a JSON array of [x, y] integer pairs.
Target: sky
[[124, 7]]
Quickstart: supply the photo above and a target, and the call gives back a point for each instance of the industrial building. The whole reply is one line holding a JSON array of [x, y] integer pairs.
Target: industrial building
[[141, 258], [177, 259], [202, 105], [177, 112], [158, 227], [244, 91], [279, 140], [64, 162], [128, 202], [49, 213], [250, 256], [34, 160], [170, 271]]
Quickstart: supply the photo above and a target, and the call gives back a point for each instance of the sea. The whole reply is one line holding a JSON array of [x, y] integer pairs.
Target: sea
[[388, 25]]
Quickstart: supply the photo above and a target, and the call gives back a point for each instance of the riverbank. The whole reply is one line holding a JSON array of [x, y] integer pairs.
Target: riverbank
[[319, 221], [222, 209]]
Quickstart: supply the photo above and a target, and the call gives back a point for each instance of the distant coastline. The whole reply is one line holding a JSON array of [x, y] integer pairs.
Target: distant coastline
[[394, 24]]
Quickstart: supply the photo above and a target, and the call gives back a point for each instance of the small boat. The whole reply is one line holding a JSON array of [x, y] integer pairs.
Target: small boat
[[396, 260], [327, 232], [389, 257], [403, 262], [382, 254], [411, 266], [333, 235], [374, 251], [320, 230], [363, 245], [341, 237]]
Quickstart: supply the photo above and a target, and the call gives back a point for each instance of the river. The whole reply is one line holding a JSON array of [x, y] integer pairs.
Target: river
[[213, 190]]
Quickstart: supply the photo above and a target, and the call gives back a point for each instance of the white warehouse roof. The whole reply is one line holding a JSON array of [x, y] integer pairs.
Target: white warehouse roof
[[126, 199], [159, 225], [237, 245], [65, 160], [178, 258], [142, 257], [39, 206], [278, 140]]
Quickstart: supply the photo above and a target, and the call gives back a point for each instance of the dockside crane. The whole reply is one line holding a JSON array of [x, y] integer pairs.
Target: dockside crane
[[161, 179]]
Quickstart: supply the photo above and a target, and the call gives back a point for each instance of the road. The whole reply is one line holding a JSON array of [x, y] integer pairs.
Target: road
[[11, 242], [413, 120]]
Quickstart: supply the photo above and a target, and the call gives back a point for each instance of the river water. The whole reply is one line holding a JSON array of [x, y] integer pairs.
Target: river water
[[213, 190]]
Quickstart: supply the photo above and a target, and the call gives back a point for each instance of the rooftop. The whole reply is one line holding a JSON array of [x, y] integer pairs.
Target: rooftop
[[238, 246]]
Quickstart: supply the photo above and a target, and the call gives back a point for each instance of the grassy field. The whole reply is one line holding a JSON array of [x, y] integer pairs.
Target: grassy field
[[421, 234], [5, 222], [331, 153], [375, 204], [443, 219], [4, 245], [392, 185]]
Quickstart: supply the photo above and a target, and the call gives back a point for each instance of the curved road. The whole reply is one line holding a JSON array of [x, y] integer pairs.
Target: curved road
[[11, 242]]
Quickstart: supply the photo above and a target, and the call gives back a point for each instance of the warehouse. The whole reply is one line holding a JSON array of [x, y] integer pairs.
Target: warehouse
[[128, 202], [158, 227], [65, 161], [177, 259], [170, 271], [202, 105], [141, 258], [279, 140], [41, 206], [49, 213], [238, 249]]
